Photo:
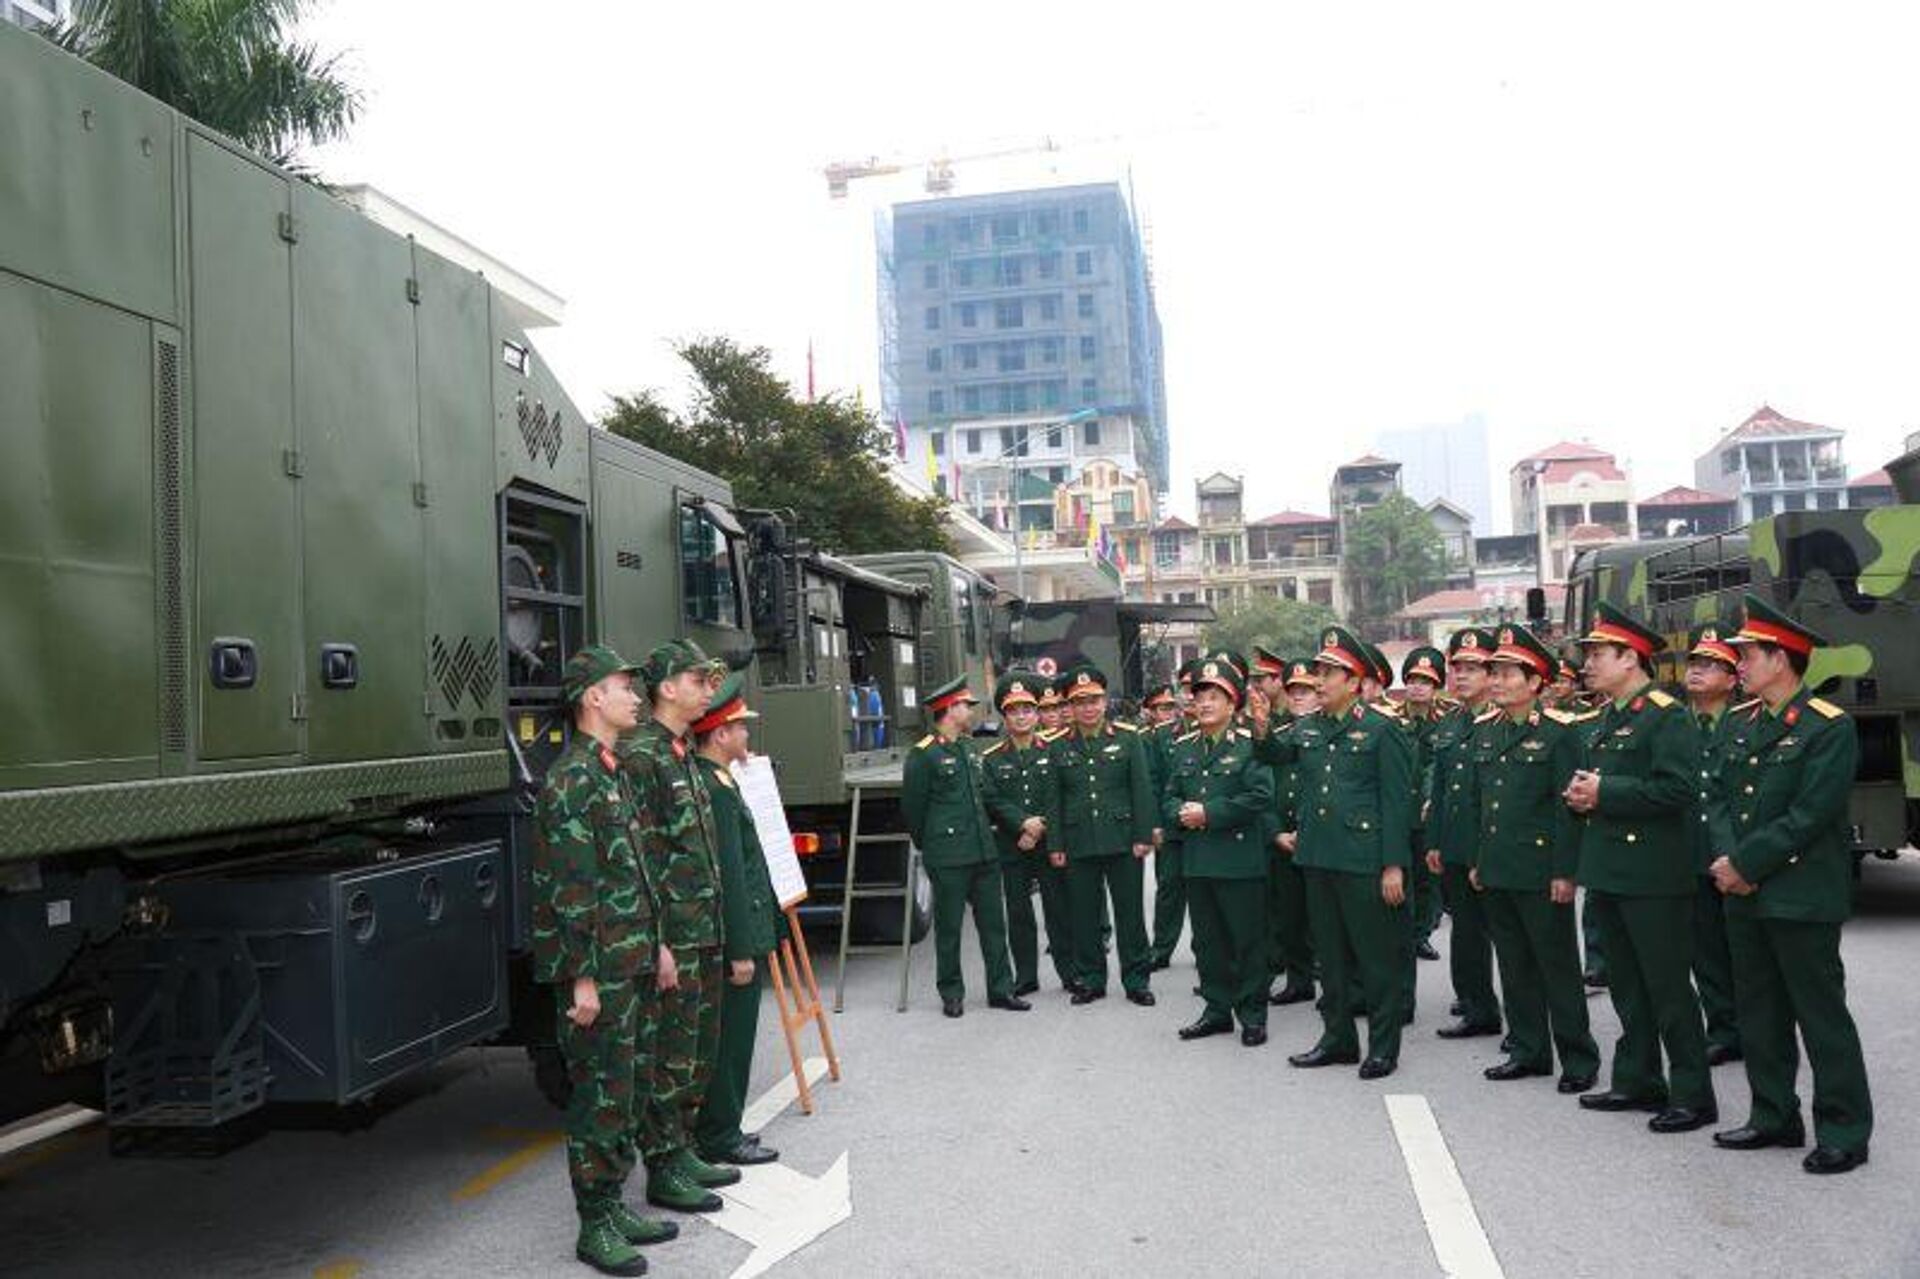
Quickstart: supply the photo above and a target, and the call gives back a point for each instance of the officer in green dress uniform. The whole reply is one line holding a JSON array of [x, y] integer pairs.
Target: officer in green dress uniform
[[595, 930], [1525, 856], [1636, 863], [679, 845], [1023, 800], [1452, 828], [1711, 683], [1788, 885], [1163, 724], [751, 928], [1221, 799], [943, 797], [1289, 950], [1587, 706], [1356, 785], [1423, 674], [1108, 812]]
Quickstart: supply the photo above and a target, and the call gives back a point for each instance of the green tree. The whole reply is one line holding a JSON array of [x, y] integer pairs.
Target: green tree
[[1291, 628], [1393, 556], [825, 461], [230, 64]]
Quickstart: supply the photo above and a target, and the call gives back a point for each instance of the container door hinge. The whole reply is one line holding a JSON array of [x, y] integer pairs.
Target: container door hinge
[[299, 707], [289, 229], [413, 290], [420, 495], [290, 461]]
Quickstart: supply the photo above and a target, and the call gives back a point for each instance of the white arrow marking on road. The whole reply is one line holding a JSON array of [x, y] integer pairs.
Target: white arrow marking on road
[[1452, 1224], [775, 1208], [780, 1211]]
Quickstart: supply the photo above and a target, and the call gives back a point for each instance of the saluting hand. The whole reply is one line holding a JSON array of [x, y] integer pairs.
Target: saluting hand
[[1259, 710]]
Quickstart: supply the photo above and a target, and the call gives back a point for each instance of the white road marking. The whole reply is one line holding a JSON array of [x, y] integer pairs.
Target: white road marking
[[48, 1123], [780, 1211], [781, 1095], [1452, 1224]]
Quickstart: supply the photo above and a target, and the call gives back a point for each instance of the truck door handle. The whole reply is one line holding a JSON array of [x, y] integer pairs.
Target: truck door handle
[[339, 666], [233, 663]]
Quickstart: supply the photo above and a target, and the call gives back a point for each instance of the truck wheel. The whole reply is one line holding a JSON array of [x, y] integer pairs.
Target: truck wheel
[[878, 922], [550, 1074]]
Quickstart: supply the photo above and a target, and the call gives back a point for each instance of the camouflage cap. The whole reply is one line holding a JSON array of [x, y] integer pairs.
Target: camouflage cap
[[676, 657], [1425, 663], [588, 667]]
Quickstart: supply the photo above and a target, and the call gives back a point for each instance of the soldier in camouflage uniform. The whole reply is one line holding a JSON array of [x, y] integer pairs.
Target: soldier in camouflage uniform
[[680, 849], [594, 931]]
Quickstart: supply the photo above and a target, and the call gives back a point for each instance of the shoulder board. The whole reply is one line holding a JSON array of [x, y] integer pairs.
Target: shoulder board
[[1125, 728], [926, 741], [1388, 708], [1189, 737], [1051, 735], [996, 747], [1747, 705], [1247, 733], [1660, 698], [1491, 713], [1559, 716], [1824, 708]]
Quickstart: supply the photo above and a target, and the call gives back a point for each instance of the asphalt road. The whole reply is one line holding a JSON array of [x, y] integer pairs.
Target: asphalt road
[[1060, 1141]]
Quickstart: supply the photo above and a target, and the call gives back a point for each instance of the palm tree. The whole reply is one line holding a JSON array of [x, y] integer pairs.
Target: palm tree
[[227, 63]]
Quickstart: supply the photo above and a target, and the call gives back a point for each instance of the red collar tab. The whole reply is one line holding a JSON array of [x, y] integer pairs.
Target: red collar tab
[[1792, 716], [679, 748], [608, 759], [1637, 704]]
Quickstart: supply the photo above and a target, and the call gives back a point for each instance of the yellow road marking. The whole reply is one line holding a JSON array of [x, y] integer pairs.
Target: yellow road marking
[[338, 1270], [537, 1145]]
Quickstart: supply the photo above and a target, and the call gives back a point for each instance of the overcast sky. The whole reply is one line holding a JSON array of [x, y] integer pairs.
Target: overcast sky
[[1631, 226]]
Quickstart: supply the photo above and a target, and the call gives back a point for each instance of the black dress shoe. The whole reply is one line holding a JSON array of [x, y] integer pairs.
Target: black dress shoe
[[1425, 950], [1144, 998], [1012, 1003], [1086, 995], [1072, 987], [1291, 995], [1721, 1054], [1611, 1100], [1513, 1070], [1468, 1030], [1253, 1036], [1828, 1159], [1749, 1138], [744, 1155], [1317, 1056], [1570, 1084], [952, 1007], [1377, 1068], [1684, 1118], [1204, 1027], [1026, 988]]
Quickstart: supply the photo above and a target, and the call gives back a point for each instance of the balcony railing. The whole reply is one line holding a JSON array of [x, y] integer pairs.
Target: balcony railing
[[1293, 563]]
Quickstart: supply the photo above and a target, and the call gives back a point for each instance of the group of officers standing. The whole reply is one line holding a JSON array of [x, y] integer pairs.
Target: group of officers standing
[[1310, 827]]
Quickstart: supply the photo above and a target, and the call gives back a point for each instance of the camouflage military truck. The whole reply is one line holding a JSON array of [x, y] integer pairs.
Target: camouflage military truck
[[1848, 574]]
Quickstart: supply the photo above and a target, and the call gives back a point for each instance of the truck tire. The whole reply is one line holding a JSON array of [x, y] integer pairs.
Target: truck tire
[[878, 922]]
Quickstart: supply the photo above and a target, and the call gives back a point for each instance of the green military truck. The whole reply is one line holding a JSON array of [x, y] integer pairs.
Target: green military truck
[[1121, 637], [296, 534], [1848, 574]]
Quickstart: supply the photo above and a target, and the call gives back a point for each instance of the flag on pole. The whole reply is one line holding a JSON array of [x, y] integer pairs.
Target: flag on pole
[[900, 437], [933, 468]]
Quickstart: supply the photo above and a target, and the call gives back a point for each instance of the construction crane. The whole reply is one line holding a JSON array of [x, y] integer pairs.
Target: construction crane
[[939, 168]]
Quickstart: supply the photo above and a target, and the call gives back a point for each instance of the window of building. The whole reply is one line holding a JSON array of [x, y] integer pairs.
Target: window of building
[[1008, 313], [1083, 262], [936, 359], [1320, 591], [1730, 461], [969, 399], [969, 315], [1048, 264], [1166, 550], [1046, 222], [930, 275], [1017, 398], [1122, 507], [930, 234], [1762, 505], [973, 435], [1050, 350], [1053, 394], [1084, 306], [1827, 500], [1007, 441], [962, 230], [1056, 475], [1010, 271], [1087, 351], [1793, 501], [1080, 221], [933, 318], [1049, 309], [1089, 392], [1013, 357], [1006, 226], [936, 402], [963, 275], [969, 356], [937, 440], [1055, 436]]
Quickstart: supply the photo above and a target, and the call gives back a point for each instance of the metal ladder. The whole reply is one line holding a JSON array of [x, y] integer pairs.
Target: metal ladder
[[851, 894]]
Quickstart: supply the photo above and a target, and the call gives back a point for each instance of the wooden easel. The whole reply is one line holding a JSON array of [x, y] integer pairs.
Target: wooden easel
[[798, 996]]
